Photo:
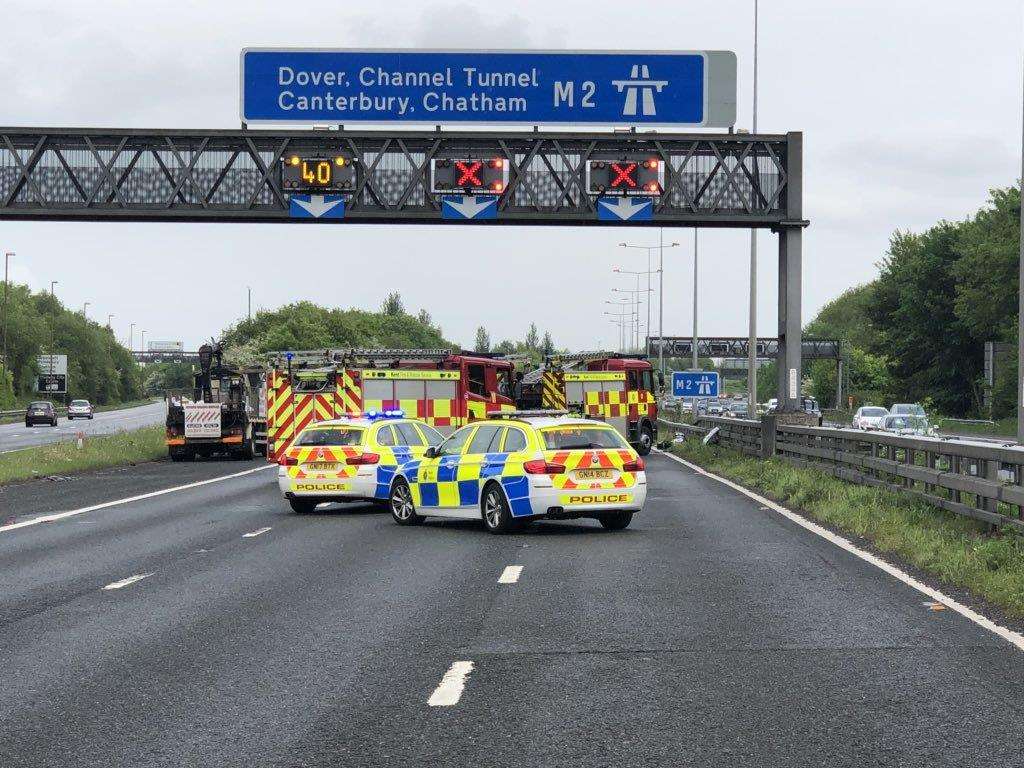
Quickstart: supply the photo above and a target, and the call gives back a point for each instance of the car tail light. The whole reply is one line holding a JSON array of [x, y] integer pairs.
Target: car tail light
[[637, 465], [541, 467], [288, 461], [363, 458]]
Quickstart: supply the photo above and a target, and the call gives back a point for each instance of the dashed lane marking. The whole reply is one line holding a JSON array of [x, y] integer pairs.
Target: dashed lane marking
[[1015, 638], [448, 693], [510, 575], [125, 582], [257, 532], [128, 500]]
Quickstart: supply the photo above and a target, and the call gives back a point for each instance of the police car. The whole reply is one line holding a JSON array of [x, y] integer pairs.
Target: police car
[[350, 459], [524, 465]]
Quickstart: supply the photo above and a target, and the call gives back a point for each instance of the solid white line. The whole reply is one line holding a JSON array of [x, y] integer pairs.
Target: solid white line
[[510, 575], [449, 692], [128, 500], [252, 534], [130, 580], [1007, 634]]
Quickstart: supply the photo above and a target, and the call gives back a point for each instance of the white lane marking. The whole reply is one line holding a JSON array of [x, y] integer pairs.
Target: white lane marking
[[448, 693], [130, 580], [252, 534], [1008, 635], [510, 575], [128, 500]]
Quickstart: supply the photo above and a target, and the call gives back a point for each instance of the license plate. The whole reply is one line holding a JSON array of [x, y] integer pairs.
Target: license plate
[[321, 466], [593, 474]]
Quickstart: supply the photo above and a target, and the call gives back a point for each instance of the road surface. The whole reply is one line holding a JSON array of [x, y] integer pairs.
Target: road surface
[[714, 632], [16, 436]]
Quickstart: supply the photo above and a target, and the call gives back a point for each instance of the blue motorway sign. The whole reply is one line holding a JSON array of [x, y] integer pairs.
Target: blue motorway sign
[[476, 207], [656, 88], [316, 207], [695, 383], [625, 208]]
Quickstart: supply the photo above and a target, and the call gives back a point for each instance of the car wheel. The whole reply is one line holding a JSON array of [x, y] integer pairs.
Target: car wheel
[[403, 511], [616, 521], [302, 506], [646, 440], [54, 424], [28, 424], [495, 511], [90, 417]]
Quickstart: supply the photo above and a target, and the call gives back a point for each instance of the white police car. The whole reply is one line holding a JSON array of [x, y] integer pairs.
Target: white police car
[[520, 466], [351, 458]]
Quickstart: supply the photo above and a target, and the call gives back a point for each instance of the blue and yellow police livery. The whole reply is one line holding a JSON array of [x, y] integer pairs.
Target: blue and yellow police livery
[[351, 458], [524, 466]]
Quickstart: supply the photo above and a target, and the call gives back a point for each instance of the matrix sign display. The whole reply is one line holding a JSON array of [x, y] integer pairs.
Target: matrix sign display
[[634, 176], [304, 174], [470, 176]]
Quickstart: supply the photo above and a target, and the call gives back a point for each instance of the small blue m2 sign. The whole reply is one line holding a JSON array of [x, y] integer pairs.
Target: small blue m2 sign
[[695, 384]]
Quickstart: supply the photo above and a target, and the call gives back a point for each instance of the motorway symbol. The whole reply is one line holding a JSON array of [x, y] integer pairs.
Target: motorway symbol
[[695, 384], [639, 82], [624, 208], [476, 207], [317, 207]]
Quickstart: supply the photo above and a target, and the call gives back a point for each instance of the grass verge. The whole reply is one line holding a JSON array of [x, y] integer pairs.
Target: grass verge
[[957, 551], [63, 458]]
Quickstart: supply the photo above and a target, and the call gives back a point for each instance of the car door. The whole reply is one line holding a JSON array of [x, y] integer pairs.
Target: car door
[[468, 476], [435, 477]]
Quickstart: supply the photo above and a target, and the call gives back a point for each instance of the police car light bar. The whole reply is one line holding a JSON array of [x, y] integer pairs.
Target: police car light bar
[[393, 413]]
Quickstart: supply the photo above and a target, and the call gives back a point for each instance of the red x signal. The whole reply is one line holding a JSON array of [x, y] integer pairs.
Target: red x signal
[[623, 174], [469, 177]]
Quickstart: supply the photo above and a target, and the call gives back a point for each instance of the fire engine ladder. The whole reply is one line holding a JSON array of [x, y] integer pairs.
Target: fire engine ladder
[[327, 357], [583, 357]]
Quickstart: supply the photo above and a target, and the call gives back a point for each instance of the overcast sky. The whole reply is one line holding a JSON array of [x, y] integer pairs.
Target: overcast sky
[[911, 111]]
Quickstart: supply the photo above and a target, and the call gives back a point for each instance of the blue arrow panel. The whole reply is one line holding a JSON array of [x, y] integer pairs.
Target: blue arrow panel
[[475, 207], [625, 208], [317, 207]]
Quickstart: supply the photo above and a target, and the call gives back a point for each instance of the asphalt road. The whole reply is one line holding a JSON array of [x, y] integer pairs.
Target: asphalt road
[[712, 633], [16, 436]]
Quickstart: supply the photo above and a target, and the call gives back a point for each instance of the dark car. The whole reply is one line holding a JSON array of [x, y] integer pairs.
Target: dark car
[[41, 412]]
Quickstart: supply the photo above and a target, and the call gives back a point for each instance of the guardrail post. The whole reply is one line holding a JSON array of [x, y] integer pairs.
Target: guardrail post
[[767, 435], [992, 467]]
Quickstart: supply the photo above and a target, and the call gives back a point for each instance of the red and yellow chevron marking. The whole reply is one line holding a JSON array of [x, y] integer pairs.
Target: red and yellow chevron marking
[[280, 419], [306, 455], [609, 459], [349, 400], [323, 406], [553, 390]]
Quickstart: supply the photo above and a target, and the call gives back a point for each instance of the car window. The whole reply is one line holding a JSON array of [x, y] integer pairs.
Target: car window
[[40, 404], [581, 436], [331, 436], [408, 434], [477, 383], [482, 439], [431, 435], [455, 442], [79, 402], [515, 440], [873, 412], [386, 435]]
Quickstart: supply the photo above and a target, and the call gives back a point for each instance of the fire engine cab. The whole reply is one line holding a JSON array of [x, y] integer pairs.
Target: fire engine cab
[[615, 388], [445, 389]]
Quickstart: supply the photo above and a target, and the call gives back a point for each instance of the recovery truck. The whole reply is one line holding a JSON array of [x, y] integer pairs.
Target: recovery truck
[[615, 388], [444, 388], [224, 414]]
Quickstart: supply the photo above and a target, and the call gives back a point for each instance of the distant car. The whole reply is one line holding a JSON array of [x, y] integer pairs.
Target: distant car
[[41, 412], [908, 409], [737, 409], [772, 405], [907, 424], [715, 408], [80, 409], [869, 417]]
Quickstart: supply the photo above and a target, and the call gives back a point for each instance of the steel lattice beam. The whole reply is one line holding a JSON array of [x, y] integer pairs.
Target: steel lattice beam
[[712, 180], [730, 347]]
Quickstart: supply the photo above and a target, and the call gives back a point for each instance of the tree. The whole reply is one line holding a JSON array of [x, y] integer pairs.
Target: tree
[[392, 305], [532, 339], [424, 317], [483, 340], [547, 346]]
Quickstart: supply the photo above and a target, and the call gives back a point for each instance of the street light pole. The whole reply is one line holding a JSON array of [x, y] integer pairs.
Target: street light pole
[[109, 318], [85, 309], [752, 340], [53, 283], [142, 344], [1020, 315], [131, 336], [694, 344], [249, 289]]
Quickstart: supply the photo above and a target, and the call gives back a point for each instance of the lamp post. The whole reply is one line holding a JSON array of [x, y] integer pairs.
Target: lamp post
[[53, 283], [638, 291], [85, 309], [131, 336], [620, 318], [142, 344], [694, 344], [661, 289], [109, 318], [634, 305], [752, 333]]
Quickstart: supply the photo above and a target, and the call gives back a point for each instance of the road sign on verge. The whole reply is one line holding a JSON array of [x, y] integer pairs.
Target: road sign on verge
[[624, 208], [476, 207], [50, 364], [317, 207], [525, 87], [695, 384], [52, 383]]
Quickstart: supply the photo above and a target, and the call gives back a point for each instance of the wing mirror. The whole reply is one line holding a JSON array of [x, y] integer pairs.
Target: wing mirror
[[431, 452]]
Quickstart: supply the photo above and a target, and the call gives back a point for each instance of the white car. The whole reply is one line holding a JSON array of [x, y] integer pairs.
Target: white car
[[79, 409], [869, 417], [350, 459], [911, 424], [524, 465]]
